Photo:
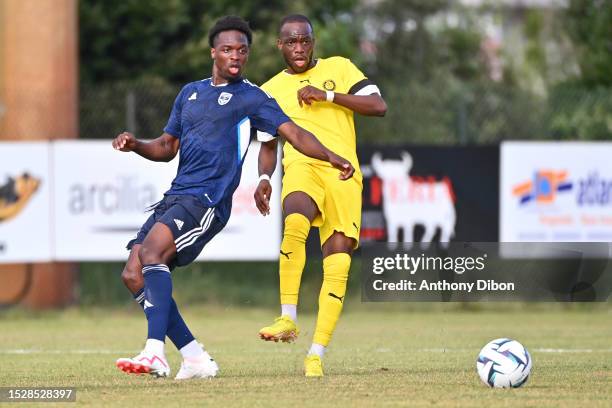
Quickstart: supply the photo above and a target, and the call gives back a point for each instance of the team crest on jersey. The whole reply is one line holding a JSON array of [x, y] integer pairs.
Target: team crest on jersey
[[329, 85], [224, 98]]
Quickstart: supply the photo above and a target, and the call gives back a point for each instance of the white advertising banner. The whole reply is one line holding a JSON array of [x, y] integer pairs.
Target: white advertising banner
[[25, 185], [101, 196], [556, 192], [248, 235]]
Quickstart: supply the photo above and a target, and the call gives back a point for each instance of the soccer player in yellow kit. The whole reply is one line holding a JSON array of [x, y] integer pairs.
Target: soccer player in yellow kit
[[320, 95]]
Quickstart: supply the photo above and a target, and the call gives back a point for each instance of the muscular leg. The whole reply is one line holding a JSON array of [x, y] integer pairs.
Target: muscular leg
[[299, 210], [155, 254], [158, 246], [338, 243], [132, 277], [337, 251], [132, 271], [301, 203]]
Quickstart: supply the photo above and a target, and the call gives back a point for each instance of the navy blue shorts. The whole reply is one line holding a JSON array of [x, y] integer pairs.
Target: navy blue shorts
[[192, 224]]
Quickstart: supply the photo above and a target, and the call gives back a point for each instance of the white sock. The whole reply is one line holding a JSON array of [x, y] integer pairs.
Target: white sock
[[317, 349], [192, 350], [155, 347], [289, 310]]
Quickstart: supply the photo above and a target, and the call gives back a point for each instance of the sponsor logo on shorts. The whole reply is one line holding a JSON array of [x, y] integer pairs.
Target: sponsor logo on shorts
[[179, 224]]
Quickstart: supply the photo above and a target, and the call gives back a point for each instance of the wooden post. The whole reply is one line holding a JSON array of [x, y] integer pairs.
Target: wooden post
[[39, 101]]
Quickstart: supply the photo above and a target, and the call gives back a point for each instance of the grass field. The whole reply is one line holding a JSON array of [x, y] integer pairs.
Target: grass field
[[381, 356]]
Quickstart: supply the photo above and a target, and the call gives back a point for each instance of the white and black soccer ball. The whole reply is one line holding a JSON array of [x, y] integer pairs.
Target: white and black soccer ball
[[504, 363]]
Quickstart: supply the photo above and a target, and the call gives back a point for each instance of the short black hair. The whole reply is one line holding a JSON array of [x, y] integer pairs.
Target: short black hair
[[229, 23], [295, 18]]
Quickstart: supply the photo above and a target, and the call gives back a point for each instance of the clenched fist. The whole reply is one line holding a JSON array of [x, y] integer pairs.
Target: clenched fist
[[309, 94], [126, 142]]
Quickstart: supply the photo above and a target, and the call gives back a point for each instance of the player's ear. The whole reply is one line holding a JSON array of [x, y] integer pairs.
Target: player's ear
[[212, 53], [279, 43]]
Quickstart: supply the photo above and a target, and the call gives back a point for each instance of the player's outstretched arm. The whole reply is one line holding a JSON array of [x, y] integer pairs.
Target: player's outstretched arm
[[306, 143], [368, 105], [267, 164], [164, 148]]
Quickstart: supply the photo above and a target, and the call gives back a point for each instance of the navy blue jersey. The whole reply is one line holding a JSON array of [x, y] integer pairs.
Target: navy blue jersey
[[214, 125]]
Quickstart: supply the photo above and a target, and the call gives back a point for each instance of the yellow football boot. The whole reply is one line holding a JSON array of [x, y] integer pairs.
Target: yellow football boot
[[313, 366], [283, 329]]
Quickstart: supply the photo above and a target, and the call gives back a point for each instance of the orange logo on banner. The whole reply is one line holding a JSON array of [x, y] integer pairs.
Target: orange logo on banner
[[15, 194], [543, 188]]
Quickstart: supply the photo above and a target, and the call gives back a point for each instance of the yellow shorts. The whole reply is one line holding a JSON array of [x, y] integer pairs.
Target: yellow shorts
[[339, 201]]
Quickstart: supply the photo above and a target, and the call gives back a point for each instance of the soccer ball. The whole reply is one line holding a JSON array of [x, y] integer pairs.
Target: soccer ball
[[504, 363]]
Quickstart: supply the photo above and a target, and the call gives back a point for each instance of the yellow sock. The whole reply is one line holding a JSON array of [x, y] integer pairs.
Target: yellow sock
[[292, 257], [331, 299]]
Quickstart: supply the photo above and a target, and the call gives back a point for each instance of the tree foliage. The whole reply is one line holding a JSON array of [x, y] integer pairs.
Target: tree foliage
[[429, 70], [128, 39], [589, 23], [581, 105], [426, 56], [140, 52]]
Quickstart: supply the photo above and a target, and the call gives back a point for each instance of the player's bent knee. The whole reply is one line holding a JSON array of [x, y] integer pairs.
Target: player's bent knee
[[301, 203], [148, 255], [338, 243]]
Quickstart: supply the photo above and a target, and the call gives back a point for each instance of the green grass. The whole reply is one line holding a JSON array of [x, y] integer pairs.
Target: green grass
[[381, 356]]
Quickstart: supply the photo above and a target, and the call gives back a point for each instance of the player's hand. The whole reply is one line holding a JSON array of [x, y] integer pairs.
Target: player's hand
[[262, 197], [126, 142], [309, 94], [345, 167]]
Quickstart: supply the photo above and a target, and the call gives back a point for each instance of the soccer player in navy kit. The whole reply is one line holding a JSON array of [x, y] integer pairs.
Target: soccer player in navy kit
[[210, 124]]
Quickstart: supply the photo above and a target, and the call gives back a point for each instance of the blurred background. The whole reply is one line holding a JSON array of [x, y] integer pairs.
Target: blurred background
[[461, 78]]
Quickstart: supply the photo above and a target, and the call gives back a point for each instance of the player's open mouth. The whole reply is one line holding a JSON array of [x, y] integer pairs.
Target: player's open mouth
[[299, 62], [234, 69]]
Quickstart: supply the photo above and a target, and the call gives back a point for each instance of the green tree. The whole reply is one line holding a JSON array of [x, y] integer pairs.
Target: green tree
[[135, 54], [581, 106], [126, 39], [589, 23], [428, 70]]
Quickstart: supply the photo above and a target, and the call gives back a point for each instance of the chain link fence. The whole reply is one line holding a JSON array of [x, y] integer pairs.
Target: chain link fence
[[418, 113], [141, 107]]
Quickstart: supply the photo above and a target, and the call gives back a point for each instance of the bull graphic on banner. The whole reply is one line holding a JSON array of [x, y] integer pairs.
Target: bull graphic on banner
[[411, 201], [15, 194]]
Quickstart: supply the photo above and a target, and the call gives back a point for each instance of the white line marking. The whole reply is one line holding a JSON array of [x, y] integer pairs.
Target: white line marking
[[379, 350], [551, 350], [40, 351], [536, 350]]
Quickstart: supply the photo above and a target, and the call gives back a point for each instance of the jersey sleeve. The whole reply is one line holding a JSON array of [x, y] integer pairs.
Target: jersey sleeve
[[356, 82], [174, 126], [264, 136], [267, 118]]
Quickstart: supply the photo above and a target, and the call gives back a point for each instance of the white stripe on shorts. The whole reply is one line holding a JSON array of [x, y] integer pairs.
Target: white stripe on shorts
[[195, 230], [184, 244]]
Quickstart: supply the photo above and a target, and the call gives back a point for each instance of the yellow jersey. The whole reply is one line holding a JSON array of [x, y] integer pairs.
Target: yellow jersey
[[332, 124]]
